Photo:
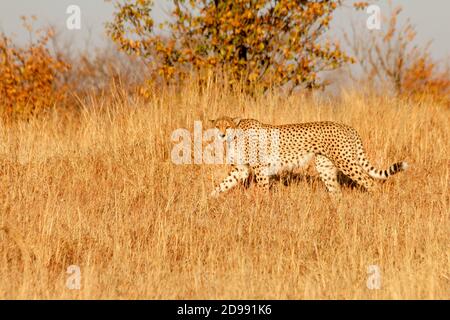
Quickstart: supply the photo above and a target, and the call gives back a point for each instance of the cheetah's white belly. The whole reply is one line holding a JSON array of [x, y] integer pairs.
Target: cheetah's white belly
[[276, 167]]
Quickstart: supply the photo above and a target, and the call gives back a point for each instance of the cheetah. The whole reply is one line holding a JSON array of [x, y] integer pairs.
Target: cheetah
[[335, 147]]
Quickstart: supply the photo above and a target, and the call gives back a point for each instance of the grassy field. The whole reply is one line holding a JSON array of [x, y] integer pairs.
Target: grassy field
[[99, 191]]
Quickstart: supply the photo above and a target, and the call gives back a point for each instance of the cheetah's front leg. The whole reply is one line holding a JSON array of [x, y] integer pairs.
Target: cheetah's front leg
[[237, 174], [262, 176]]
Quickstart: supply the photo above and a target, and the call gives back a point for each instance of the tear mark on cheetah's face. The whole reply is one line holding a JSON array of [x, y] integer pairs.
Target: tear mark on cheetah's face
[[226, 127]]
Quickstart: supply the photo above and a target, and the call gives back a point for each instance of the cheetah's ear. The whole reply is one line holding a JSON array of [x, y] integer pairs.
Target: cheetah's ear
[[237, 120], [212, 121]]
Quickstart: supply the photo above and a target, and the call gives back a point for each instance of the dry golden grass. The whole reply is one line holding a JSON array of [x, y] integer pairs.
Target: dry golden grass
[[99, 191]]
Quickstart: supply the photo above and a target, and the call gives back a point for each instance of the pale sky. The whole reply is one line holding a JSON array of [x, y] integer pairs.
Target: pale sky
[[431, 18]]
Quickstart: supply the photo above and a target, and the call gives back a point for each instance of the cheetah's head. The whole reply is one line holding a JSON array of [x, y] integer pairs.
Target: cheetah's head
[[225, 126]]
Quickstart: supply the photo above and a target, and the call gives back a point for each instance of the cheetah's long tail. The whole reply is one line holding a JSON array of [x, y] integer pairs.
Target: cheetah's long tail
[[384, 174], [380, 174]]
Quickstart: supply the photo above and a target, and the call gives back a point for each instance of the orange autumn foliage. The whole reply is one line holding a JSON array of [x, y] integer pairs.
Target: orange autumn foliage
[[253, 42], [424, 78], [391, 59], [31, 76]]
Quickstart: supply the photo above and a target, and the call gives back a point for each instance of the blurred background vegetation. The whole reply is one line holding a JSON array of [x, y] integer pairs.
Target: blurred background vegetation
[[248, 45]]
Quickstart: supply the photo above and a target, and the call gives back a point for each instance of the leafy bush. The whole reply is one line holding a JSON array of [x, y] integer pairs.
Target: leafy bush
[[30, 76], [272, 43], [392, 59]]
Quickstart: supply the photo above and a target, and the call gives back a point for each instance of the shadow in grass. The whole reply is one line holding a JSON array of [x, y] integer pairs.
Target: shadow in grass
[[288, 179], [295, 178]]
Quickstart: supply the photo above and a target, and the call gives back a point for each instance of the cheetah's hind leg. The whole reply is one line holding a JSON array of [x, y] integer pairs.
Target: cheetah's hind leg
[[328, 174], [355, 172]]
